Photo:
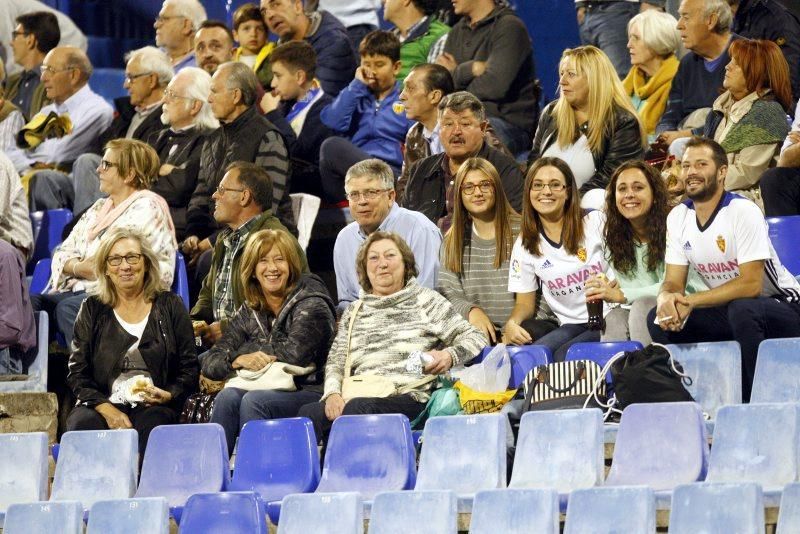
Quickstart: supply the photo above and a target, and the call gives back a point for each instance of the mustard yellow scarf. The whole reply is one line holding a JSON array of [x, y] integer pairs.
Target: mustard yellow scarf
[[654, 91]]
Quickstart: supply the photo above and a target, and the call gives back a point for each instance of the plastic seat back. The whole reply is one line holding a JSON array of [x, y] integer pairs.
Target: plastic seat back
[[322, 513], [180, 282], [755, 443], [561, 449], [717, 507], [777, 368], [368, 454], [108, 83], [37, 370], [783, 232], [24, 475], [450, 444], [660, 445], [715, 370], [126, 516], [277, 457], [234, 512], [182, 460], [515, 511], [421, 512], [96, 465], [600, 352], [41, 275], [64, 517], [624, 509], [48, 226], [789, 517]]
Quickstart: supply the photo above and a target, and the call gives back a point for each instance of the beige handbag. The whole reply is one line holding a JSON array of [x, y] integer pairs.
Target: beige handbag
[[367, 385]]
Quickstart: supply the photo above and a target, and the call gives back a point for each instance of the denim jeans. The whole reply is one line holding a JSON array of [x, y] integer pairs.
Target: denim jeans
[[566, 335], [64, 306], [606, 27]]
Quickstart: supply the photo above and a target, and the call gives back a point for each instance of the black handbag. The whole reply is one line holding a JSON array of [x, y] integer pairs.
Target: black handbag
[[197, 408], [650, 374], [564, 385]]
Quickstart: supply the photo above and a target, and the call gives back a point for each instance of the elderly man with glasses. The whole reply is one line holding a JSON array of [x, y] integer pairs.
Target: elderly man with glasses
[[175, 27]]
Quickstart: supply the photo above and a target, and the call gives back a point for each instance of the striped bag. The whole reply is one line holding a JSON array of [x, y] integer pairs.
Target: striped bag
[[564, 385]]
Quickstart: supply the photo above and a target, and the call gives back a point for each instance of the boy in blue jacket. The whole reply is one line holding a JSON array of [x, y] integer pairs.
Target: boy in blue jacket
[[367, 116]]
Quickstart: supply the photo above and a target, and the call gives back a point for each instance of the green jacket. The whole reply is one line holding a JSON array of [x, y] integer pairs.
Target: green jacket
[[203, 310], [39, 101], [414, 50]]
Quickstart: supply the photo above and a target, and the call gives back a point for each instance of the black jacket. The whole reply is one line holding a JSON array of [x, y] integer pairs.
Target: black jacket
[[301, 334], [167, 347], [122, 120], [425, 190], [625, 143]]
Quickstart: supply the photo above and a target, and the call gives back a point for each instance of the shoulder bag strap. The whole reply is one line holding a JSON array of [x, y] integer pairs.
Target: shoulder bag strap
[[347, 362]]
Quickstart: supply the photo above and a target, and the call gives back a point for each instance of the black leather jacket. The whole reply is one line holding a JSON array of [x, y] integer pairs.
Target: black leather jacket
[[167, 347], [625, 143]]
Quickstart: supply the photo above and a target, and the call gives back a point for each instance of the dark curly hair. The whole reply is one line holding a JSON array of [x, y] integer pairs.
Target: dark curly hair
[[619, 235]]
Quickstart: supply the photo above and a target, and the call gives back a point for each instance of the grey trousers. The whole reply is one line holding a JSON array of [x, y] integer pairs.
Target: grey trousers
[[624, 324], [77, 191]]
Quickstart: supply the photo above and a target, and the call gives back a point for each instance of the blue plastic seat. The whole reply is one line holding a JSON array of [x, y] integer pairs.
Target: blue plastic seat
[[275, 458], [756, 443], [182, 460], [37, 370], [600, 352], [41, 275], [48, 226], [448, 459], [717, 507], [234, 512], [777, 368], [560, 449], [660, 445], [515, 511], [420, 512], [623, 509], [789, 517], [369, 454], [64, 517], [783, 232], [96, 465], [180, 281], [24, 474], [104, 53], [108, 83], [523, 359], [124, 516], [322, 513]]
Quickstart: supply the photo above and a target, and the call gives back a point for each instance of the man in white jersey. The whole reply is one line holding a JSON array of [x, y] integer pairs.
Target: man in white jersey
[[750, 296]]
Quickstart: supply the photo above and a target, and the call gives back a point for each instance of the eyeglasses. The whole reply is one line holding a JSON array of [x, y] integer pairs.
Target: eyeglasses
[[105, 164], [555, 186], [221, 189], [130, 259], [130, 77], [369, 194], [485, 186], [52, 70], [16, 34], [169, 94], [161, 19]]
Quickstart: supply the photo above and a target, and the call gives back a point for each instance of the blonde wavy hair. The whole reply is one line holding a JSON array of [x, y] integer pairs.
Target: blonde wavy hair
[[105, 289], [258, 245]]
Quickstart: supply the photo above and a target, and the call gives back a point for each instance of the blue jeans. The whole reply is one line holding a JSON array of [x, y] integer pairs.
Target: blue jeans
[[606, 27], [233, 407], [566, 335], [64, 306], [515, 138]]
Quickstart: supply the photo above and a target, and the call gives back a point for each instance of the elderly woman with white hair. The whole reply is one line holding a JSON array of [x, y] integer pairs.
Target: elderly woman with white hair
[[653, 42]]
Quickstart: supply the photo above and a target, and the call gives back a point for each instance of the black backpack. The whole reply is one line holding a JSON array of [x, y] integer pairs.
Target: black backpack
[[649, 375]]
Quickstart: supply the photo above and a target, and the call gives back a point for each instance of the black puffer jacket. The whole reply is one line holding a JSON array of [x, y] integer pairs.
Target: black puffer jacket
[[301, 334], [624, 143]]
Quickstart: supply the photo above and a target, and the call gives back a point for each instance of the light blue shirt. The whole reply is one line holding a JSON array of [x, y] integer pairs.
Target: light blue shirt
[[420, 233]]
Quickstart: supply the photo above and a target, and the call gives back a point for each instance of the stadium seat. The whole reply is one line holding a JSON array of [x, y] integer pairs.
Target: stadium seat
[[96, 465], [756, 443], [24, 474], [559, 449], [104, 53], [180, 281], [600, 352], [37, 370], [305, 208], [448, 459], [523, 359], [369, 454], [777, 367], [515, 511], [628, 509], [275, 458], [235, 512], [108, 83], [322, 513], [48, 227], [660, 445], [420, 512], [63, 517], [783, 232], [126, 516], [789, 518], [182, 460], [41, 275], [717, 507]]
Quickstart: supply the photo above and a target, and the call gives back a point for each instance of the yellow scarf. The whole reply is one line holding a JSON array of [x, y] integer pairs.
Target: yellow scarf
[[654, 91]]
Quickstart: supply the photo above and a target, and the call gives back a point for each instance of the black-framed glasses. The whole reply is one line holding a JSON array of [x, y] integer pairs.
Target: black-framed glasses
[[221, 189], [105, 164], [554, 185], [368, 194], [130, 77], [130, 259], [485, 186]]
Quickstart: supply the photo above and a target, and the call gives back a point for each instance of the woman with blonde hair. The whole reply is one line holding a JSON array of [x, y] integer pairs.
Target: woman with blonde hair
[[592, 126], [475, 255]]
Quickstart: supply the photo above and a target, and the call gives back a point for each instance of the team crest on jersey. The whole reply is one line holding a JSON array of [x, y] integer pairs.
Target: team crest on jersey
[[721, 243], [581, 254], [398, 108]]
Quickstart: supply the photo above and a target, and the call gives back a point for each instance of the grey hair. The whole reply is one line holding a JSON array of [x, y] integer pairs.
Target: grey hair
[[658, 30], [371, 168], [77, 58], [191, 9], [242, 77], [198, 86], [463, 101], [722, 10], [154, 60]]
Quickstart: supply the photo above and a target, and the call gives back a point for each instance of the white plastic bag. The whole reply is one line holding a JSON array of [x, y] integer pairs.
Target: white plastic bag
[[491, 375]]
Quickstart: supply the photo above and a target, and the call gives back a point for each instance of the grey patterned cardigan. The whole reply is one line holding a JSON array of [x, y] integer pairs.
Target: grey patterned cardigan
[[387, 329]]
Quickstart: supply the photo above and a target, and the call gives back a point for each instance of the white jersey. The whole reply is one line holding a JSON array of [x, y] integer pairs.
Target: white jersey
[[735, 234], [562, 275]]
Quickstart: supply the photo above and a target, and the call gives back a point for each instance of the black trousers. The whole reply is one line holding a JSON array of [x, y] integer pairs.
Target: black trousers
[[780, 189]]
